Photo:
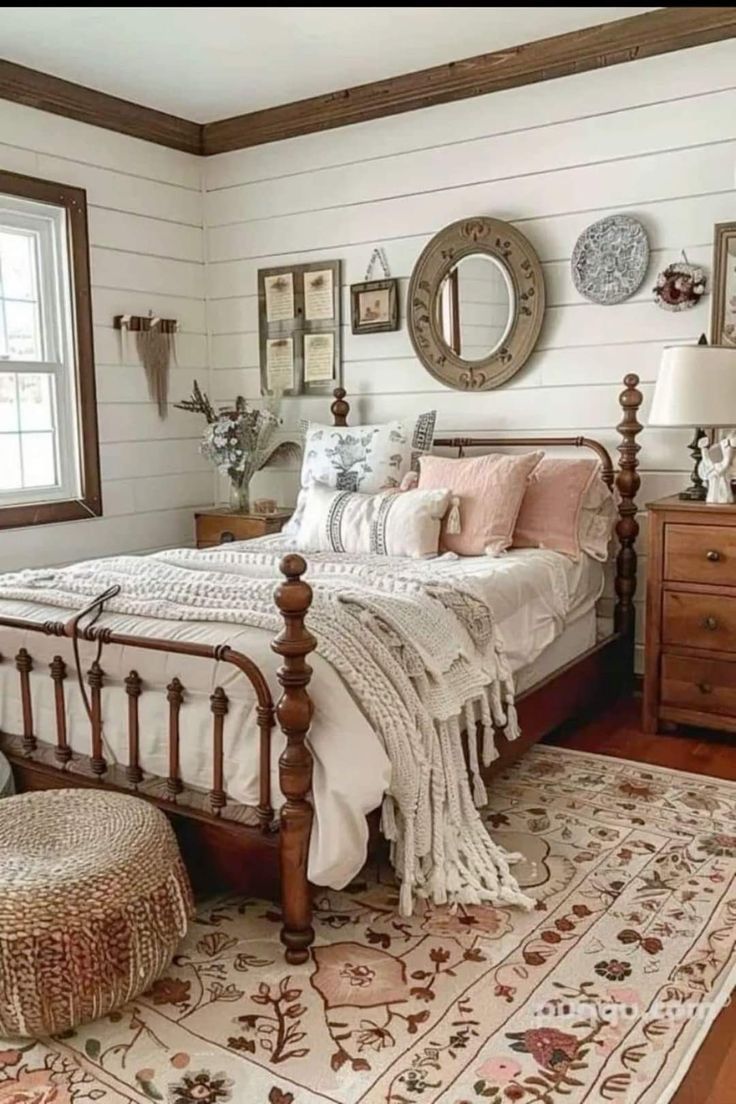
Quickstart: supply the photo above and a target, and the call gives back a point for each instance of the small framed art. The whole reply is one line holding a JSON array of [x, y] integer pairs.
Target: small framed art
[[723, 287], [374, 306]]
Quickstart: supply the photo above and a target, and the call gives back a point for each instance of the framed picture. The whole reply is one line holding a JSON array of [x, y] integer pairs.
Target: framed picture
[[375, 306], [299, 327], [723, 288]]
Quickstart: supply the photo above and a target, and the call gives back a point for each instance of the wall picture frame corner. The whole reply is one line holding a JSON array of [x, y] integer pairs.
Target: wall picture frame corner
[[374, 306], [723, 286]]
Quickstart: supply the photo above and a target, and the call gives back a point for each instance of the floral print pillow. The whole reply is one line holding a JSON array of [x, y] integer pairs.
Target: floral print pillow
[[368, 458]]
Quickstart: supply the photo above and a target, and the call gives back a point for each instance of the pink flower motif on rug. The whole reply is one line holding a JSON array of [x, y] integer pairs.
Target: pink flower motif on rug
[[34, 1087], [469, 920], [499, 1070], [359, 977], [549, 1047], [720, 844]]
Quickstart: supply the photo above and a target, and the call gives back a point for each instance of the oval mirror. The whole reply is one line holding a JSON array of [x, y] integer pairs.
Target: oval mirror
[[476, 303], [476, 306]]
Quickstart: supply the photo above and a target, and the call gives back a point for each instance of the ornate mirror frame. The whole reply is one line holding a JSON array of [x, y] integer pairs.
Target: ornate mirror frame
[[506, 245]]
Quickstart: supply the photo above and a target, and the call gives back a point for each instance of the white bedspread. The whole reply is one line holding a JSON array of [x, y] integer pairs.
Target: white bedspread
[[532, 593]]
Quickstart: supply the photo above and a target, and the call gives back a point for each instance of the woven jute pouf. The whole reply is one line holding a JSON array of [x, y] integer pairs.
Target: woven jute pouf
[[94, 899]]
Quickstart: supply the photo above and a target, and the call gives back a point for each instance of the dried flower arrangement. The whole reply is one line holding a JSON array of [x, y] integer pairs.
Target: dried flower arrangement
[[240, 440], [680, 286]]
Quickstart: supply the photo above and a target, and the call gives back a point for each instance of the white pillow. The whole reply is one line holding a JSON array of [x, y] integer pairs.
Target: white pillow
[[598, 517], [386, 524], [367, 458]]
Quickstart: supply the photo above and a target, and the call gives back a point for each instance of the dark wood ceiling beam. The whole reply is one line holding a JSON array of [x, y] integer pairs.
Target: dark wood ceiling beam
[[87, 105], [628, 39]]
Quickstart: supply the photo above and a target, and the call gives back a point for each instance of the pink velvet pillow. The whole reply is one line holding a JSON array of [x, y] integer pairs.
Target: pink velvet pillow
[[490, 489], [550, 514]]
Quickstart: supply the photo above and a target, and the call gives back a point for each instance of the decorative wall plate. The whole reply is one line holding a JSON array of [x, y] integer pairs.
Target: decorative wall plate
[[610, 259]]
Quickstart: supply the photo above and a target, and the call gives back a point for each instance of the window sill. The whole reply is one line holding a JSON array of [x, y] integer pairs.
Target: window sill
[[47, 513]]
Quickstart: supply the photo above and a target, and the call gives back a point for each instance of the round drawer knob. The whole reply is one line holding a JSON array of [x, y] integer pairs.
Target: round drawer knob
[[705, 688], [710, 623], [713, 555], [226, 537]]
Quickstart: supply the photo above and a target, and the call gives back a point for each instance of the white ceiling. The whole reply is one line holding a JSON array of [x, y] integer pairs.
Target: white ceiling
[[210, 63]]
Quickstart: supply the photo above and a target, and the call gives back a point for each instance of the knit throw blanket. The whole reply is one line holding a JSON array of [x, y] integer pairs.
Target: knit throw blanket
[[421, 657]]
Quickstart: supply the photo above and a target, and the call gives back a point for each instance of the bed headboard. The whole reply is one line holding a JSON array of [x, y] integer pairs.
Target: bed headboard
[[624, 478]]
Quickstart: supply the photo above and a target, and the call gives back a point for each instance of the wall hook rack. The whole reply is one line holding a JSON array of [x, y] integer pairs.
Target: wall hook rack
[[137, 323]]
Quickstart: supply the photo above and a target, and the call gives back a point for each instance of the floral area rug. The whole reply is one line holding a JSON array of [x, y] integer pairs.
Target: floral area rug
[[603, 993]]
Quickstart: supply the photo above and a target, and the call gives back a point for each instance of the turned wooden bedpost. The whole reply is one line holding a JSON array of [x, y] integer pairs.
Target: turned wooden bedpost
[[294, 714], [339, 408], [627, 527]]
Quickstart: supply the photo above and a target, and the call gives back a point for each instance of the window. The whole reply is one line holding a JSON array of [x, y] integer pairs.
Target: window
[[49, 465]]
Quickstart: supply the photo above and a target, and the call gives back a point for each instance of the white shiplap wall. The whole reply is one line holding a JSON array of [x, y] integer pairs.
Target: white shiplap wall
[[656, 138], [145, 224]]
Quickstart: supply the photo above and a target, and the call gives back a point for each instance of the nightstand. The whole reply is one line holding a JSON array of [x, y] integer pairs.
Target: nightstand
[[220, 525], [690, 649]]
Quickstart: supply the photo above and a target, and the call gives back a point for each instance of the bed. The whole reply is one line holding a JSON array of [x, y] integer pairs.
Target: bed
[[167, 709]]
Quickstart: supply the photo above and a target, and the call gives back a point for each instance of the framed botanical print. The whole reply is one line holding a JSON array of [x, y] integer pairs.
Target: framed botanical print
[[723, 288], [374, 306]]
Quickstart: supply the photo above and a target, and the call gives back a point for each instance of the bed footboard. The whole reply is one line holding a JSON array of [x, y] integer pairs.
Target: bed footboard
[[51, 754]]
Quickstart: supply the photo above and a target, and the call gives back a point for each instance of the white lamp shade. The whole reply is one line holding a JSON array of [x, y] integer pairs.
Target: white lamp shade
[[696, 387]]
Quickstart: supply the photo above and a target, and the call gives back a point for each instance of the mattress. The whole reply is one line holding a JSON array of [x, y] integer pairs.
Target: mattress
[[579, 634], [534, 594]]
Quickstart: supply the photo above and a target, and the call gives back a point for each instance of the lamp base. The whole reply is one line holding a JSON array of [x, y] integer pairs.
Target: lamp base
[[694, 494], [697, 491]]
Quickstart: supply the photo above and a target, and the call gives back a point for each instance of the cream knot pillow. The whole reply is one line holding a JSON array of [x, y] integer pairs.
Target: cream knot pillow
[[381, 524]]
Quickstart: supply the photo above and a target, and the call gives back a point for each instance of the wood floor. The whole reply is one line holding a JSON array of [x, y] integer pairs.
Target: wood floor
[[711, 1078]]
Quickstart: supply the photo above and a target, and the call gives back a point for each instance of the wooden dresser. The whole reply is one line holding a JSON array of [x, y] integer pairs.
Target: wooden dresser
[[690, 652], [219, 525]]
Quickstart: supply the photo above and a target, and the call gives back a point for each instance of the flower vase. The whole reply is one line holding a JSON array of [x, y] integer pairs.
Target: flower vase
[[240, 497]]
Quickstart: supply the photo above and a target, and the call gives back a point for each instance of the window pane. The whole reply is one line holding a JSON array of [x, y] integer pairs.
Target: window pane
[[36, 406], [8, 405], [18, 265], [10, 472], [39, 462], [21, 323]]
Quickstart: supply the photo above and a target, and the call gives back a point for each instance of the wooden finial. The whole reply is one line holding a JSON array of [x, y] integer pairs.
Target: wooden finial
[[627, 485], [294, 714], [340, 408]]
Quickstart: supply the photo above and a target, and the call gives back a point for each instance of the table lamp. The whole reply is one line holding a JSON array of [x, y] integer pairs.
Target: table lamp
[[696, 388]]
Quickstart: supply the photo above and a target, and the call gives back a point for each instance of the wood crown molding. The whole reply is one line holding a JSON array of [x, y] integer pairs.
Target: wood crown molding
[[629, 39], [87, 105]]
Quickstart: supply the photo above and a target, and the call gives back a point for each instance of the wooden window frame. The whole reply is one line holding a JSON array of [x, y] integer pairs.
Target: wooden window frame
[[89, 502]]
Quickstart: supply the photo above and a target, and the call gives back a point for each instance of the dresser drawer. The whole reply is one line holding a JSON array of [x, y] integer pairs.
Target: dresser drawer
[[705, 685], [700, 554], [699, 621]]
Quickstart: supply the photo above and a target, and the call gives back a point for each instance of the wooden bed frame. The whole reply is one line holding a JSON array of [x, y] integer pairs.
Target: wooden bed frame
[[209, 831]]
